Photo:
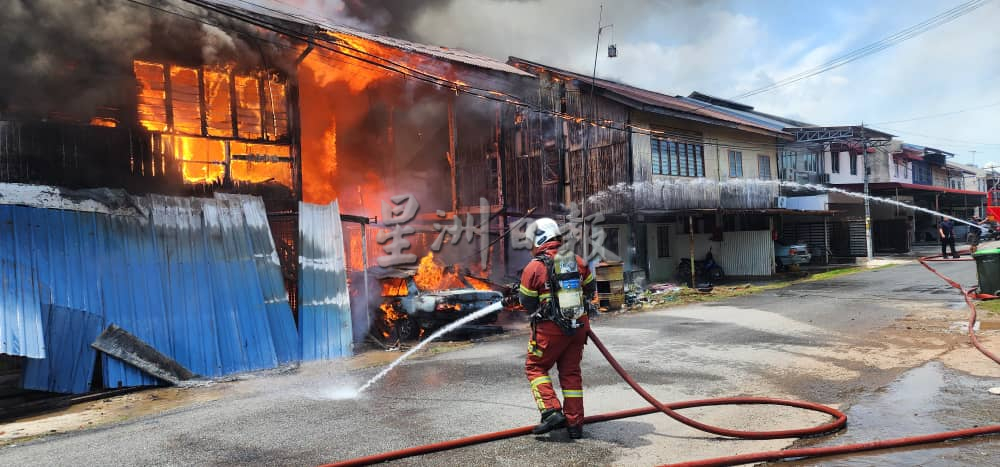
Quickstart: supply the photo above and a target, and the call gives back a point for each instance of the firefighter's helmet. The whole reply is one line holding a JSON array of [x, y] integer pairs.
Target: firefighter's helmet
[[545, 229]]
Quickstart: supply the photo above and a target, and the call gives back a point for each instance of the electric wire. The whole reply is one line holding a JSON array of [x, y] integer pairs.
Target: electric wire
[[943, 114], [459, 87], [885, 43], [895, 39], [338, 48], [941, 138]]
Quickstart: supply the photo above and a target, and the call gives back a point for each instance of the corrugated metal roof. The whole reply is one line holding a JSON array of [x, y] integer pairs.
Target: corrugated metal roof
[[655, 99], [279, 10], [762, 120], [324, 301], [194, 278]]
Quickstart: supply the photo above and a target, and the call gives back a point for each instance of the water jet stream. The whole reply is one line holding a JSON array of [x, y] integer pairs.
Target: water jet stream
[[440, 332], [703, 193], [874, 198]]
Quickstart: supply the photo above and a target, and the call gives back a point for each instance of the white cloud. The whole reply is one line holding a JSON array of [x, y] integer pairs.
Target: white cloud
[[677, 47]]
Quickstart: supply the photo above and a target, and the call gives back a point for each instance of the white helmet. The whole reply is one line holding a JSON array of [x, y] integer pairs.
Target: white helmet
[[545, 229]]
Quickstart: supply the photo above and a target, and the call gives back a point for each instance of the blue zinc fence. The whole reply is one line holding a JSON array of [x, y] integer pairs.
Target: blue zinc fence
[[324, 301], [198, 279]]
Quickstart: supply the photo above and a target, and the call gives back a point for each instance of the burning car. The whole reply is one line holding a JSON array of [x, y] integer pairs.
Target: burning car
[[417, 302]]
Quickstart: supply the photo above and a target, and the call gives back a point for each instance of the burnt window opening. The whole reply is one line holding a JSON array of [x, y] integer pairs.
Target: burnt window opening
[[220, 125]]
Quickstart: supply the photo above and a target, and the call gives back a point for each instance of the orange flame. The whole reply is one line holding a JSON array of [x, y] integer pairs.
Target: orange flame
[[429, 273], [477, 284], [390, 316], [393, 287], [104, 121], [433, 275]]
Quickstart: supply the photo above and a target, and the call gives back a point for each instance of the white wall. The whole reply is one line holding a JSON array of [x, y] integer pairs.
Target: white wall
[[904, 177], [844, 176], [660, 269]]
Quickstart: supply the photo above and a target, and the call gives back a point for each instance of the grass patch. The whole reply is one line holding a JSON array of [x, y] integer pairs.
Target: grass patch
[[991, 307], [721, 292], [843, 272]]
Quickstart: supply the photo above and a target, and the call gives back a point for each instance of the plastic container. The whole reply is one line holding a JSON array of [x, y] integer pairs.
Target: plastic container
[[988, 270]]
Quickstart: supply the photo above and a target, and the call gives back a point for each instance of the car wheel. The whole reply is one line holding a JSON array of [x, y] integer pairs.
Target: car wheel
[[406, 329]]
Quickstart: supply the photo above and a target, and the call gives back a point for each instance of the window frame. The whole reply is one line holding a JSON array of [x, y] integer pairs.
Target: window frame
[[735, 164], [676, 159], [764, 162]]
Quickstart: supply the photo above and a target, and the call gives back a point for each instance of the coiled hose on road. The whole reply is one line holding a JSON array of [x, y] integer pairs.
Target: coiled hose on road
[[839, 421]]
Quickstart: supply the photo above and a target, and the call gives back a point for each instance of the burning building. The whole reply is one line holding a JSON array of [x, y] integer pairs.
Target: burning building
[[183, 103]]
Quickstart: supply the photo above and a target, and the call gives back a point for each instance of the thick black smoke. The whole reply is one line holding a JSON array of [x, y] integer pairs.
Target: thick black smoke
[[394, 18], [71, 58]]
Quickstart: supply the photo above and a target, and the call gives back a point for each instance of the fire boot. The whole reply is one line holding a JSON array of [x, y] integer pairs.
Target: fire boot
[[551, 419], [575, 432]]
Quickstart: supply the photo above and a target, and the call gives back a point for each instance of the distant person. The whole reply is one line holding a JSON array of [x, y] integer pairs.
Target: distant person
[[946, 231], [976, 233]]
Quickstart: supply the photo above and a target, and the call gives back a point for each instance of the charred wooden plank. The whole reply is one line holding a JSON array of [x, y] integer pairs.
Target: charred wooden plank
[[128, 348]]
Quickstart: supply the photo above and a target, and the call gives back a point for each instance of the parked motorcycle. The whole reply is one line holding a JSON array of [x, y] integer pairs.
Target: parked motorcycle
[[706, 271]]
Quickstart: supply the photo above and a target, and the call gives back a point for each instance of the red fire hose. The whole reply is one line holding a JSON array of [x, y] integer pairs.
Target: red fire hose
[[968, 294], [840, 420]]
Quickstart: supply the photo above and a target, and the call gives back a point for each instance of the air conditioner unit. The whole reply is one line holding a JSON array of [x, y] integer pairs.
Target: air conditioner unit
[[782, 202]]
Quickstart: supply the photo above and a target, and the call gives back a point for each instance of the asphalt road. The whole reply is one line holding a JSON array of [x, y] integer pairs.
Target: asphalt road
[[812, 341]]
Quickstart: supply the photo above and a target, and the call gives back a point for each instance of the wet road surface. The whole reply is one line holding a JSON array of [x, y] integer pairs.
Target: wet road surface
[[811, 341]]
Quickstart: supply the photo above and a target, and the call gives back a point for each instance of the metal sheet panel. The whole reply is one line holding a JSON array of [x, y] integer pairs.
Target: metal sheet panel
[[268, 268], [194, 278], [20, 310], [66, 262], [236, 285], [136, 301], [325, 307], [747, 253], [70, 363]]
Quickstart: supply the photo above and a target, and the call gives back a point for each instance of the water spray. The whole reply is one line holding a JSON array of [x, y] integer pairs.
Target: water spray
[[703, 193], [756, 194], [875, 198], [440, 332]]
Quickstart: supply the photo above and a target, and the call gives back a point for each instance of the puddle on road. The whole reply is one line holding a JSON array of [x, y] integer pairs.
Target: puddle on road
[[989, 325], [925, 400]]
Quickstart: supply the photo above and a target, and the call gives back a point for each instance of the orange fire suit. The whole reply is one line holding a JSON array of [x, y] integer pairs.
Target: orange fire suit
[[551, 345]]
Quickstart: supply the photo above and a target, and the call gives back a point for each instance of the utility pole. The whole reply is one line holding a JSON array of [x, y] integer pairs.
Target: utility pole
[[585, 154], [868, 209]]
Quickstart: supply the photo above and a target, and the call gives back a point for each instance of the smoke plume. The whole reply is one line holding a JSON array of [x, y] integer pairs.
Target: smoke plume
[[70, 58]]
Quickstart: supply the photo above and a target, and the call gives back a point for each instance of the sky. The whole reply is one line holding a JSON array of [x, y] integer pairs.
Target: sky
[[725, 48]]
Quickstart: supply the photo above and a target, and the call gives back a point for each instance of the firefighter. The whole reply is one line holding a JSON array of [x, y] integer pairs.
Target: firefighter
[[556, 290]]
